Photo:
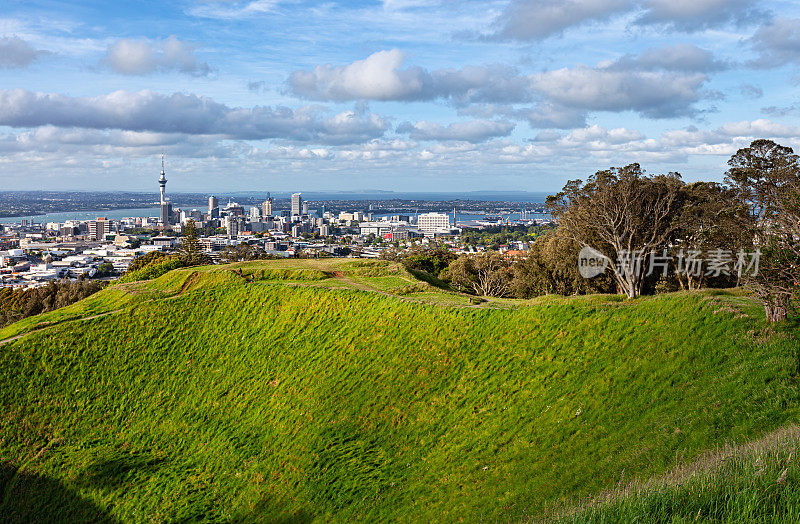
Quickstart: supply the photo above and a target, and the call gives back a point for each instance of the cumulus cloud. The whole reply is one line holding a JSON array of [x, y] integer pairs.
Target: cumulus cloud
[[662, 82], [17, 53], [185, 113], [539, 19], [650, 93], [49, 140], [473, 131], [141, 56], [678, 57], [377, 77], [760, 128], [696, 15], [777, 43], [597, 133], [380, 77], [296, 153], [543, 115]]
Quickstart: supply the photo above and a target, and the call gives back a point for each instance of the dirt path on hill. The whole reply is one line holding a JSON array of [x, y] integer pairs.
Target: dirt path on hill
[[339, 275], [40, 327]]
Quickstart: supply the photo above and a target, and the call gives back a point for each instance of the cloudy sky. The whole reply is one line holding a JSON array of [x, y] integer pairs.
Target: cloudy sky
[[405, 95]]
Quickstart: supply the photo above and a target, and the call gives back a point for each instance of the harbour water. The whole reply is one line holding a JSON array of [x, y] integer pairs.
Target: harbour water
[[113, 214]]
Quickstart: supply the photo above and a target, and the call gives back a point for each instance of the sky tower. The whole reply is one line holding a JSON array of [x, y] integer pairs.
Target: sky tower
[[162, 181], [166, 205]]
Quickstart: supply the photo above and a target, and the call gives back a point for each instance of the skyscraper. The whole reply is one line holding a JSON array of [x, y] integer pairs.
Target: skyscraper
[[266, 207], [297, 204], [99, 228], [213, 206]]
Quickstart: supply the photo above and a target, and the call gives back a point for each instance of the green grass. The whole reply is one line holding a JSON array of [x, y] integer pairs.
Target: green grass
[[223, 395], [755, 482]]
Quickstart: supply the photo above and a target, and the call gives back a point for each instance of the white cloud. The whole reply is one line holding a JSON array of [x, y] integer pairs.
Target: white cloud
[[777, 43], [473, 131], [677, 57], [187, 114], [140, 57], [663, 82], [539, 19], [597, 133], [380, 77], [761, 128], [543, 115], [17, 53], [652, 94], [377, 77], [696, 15]]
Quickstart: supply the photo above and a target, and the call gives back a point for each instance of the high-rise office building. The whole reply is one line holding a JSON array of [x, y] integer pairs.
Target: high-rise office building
[[433, 222], [99, 228], [305, 208], [213, 206], [165, 215], [233, 225], [266, 207], [234, 209], [297, 204]]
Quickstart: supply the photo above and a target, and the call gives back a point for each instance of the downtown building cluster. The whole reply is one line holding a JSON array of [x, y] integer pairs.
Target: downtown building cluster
[[32, 254]]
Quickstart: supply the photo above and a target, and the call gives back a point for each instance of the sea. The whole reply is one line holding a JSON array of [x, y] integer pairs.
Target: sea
[[496, 196]]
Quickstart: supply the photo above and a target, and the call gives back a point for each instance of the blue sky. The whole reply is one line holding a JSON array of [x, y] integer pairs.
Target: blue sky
[[406, 95]]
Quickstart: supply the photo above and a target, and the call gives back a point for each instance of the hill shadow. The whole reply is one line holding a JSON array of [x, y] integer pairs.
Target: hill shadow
[[30, 497], [115, 473], [430, 279]]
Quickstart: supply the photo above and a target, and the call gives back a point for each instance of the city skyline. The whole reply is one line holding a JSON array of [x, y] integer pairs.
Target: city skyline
[[272, 95]]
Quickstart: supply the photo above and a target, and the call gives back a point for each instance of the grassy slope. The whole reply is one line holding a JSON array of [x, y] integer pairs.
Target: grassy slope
[[266, 396], [758, 481]]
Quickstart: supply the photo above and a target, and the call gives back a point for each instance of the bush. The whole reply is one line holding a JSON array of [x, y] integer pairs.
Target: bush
[[153, 270], [104, 270], [488, 273], [16, 304], [432, 260], [147, 259]]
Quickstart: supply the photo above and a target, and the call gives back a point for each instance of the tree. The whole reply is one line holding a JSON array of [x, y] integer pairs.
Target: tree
[[550, 267], [153, 257], [105, 269], [16, 304], [432, 260], [190, 251], [623, 214], [711, 219], [766, 178], [242, 252], [488, 274]]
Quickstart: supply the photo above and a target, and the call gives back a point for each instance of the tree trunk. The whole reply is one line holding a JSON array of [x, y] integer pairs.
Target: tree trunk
[[775, 312]]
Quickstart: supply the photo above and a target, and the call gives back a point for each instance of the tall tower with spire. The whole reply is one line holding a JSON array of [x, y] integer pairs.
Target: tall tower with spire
[[166, 205], [162, 181]]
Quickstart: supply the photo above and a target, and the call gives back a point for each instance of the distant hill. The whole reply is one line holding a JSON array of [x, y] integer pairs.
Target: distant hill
[[343, 390]]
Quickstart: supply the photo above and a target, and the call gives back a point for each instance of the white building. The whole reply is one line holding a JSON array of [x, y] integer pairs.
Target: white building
[[430, 223], [297, 204]]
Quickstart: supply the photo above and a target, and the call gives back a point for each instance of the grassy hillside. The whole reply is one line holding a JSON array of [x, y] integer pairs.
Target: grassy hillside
[[346, 390], [754, 482]]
